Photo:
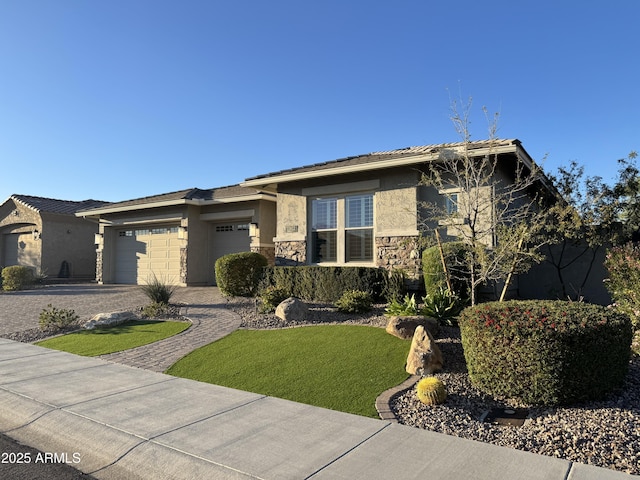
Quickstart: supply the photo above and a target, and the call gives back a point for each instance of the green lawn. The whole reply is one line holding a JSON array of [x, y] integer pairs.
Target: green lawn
[[101, 341], [341, 367]]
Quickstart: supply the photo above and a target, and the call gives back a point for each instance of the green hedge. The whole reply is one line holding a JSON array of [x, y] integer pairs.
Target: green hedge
[[16, 277], [546, 352], [327, 284], [239, 274], [455, 254]]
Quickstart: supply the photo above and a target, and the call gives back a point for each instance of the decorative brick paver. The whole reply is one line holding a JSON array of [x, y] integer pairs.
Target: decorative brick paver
[[204, 306], [210, 322]]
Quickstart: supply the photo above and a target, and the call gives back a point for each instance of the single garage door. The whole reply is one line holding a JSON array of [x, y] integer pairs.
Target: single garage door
[[20, 249], [144, 252], [230, 237]]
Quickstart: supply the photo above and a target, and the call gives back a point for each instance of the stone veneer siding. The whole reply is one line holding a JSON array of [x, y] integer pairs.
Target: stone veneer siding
[[399, 252], [99, 266], [291, 253]]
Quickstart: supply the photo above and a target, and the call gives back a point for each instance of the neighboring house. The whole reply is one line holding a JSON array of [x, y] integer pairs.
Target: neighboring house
[[365, 210], [178, 236], [45, 234]]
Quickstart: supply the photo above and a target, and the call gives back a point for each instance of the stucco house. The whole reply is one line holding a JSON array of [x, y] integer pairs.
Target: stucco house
[[45, 234], [178, 236], [365, 210]]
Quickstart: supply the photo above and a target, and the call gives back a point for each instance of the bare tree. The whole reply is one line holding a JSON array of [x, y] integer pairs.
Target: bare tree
[[491, 205]]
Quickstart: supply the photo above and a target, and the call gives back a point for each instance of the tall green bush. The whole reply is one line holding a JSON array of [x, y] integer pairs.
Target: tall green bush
[[546, 352], [239, 274], [16, 277], [623, 265], [455, 254], [326, 284]]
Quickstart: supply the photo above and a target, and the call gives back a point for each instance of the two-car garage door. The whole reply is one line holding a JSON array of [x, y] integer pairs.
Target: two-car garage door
[[144, 252]]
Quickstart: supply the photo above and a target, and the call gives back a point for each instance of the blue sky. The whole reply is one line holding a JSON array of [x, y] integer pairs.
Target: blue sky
[[120, 99]]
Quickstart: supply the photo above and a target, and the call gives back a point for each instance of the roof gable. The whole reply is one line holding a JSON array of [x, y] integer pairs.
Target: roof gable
[[52, 205]]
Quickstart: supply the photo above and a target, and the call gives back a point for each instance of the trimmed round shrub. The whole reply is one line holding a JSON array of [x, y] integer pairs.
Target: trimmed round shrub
[[16, 277], [239, 274], [455, 256], [354, 301], [546, 352], [431, 391]]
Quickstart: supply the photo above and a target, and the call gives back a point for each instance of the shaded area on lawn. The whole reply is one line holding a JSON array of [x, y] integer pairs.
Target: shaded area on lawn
[[340, 367], [101, 341]]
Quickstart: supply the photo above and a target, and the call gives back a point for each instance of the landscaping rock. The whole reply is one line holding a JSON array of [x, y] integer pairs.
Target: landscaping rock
[[109, 319], [405, 326], [424, 357], [292, 309]]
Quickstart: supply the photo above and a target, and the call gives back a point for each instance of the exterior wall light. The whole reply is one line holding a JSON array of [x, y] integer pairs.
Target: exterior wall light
[[253, 229]]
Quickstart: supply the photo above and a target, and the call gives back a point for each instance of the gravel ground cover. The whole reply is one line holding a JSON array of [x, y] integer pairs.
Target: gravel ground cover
[[605, 433]]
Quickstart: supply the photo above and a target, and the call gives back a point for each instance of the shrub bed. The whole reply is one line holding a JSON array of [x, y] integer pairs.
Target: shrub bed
[[546, 352], [238, 274], [328, 284]]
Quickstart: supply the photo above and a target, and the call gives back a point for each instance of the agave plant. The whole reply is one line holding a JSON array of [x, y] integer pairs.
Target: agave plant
[[443, 305], [408, 307]]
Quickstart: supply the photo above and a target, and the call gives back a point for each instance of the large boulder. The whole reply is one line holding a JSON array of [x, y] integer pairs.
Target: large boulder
[[424, 356], [292, 310], [405, 326], [109, 319]]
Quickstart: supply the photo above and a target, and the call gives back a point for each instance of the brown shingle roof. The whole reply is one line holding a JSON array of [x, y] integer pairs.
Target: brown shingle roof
[[52, 205]]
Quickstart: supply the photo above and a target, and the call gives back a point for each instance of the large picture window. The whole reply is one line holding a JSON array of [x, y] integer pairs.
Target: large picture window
[[342, 229]]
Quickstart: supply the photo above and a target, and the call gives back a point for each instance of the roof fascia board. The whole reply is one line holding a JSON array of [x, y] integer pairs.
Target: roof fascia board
[[169, 203], [141, 221], [381, 164]]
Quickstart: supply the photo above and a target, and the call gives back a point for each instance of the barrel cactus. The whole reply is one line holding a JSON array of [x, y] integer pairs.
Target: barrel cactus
[[431, 391]]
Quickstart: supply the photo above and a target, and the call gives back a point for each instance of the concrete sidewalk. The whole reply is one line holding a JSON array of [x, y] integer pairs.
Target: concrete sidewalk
[[123, 422]]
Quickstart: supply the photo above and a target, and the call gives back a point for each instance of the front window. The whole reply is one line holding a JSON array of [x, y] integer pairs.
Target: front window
[[451, 203], [342, 229], [324, 226]]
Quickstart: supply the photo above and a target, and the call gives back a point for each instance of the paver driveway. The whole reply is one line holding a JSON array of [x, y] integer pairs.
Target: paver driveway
[[20, 310], [204, 306]]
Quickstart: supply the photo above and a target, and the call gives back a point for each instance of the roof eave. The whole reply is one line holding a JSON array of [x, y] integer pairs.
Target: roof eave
[[95, 213], [270, 182]]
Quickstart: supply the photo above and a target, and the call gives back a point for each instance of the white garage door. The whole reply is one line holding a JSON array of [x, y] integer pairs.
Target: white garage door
[[143, 252], [20, 249]]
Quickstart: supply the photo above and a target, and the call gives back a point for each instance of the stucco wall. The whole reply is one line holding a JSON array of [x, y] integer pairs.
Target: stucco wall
[[542, 280], [68, 239]]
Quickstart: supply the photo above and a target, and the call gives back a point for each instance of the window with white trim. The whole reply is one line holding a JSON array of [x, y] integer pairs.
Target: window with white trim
[[451, 203], [342, 229]]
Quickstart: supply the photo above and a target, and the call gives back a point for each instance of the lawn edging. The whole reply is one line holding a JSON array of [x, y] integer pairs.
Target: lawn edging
[[384, 399]]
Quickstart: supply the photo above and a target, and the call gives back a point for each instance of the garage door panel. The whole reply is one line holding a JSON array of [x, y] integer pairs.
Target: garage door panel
[[230, 237], [20, 249], [143, 253]]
